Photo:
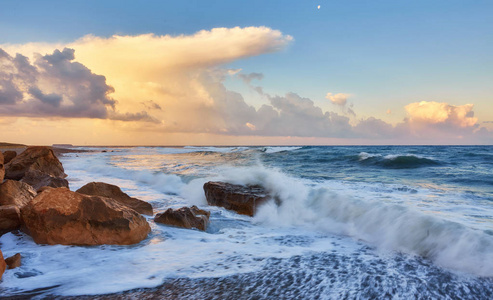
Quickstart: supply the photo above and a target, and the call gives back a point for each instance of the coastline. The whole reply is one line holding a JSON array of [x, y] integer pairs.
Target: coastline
[[357, 272]]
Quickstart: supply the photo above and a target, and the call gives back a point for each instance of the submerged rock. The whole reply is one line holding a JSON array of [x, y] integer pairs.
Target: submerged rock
[[8, 156], [14, 261], [59, 216], [114, 192], [16, 193], [38, 179], [186, 217], [242, 199], [34, 158], [10, 218]]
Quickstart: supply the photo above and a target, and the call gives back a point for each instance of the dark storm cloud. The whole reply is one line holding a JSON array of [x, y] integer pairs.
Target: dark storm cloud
[[55, 85]]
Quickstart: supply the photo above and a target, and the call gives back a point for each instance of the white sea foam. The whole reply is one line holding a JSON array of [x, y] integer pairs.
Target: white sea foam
[[388, 226], [315, 213], [395, 156], [167, 253], [364, 156], [275, 149]]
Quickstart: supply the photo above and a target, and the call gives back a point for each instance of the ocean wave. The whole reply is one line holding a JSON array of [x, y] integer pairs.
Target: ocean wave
[[94, 165], [387, 226], [213, 149], [396, 161], [275, 149]]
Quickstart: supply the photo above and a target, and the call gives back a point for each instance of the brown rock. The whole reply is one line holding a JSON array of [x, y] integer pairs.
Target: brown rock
[[10, 218], [59, 216], [242, 199], [186, 217], [34, 158], [16, 193], [14, 261], [3, 264], [2, 168], [8, 156], [112, 191], [38, 179]]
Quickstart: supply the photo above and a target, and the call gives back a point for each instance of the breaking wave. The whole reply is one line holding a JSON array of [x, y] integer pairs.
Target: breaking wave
[[406, 161], [387, 226]]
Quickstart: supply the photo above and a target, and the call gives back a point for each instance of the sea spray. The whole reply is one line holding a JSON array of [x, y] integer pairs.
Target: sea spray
[[387, 226]]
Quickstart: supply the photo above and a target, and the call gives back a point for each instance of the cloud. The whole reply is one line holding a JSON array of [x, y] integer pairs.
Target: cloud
[[292, 115], [433, 113], [149, 104], [184, 76], [54, 85], [154, 55], [247, 78], [337, 99]]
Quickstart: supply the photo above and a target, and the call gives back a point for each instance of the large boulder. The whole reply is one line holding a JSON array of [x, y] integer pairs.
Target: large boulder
[[60, 216], [16, 193], [8, 156], [242, 199], [112, 191], [186, 217], [3, 264], [34, 158], [2, 168], [38, 179], [10, 218]]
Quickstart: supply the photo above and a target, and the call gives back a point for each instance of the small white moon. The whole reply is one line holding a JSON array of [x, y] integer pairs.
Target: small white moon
[[318, 7]]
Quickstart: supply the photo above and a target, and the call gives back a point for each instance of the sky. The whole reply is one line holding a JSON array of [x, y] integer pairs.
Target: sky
[[246, 72]]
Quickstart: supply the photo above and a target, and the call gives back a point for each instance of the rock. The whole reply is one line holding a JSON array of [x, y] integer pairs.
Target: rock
[[112, 191], [16, 193], [60, 216], [186, 217], [242, 199], [38, 179], [10, 218], [8, 156], [34, 158], [3, 264], [2, 168], [14, 261]]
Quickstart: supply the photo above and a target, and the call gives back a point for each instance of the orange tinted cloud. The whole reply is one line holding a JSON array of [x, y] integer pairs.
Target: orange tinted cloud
[[426, 113]]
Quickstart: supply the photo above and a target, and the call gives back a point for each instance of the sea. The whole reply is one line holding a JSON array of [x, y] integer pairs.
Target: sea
[[351, 222]]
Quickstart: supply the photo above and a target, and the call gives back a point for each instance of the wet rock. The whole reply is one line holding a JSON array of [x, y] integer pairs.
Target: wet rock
[[3, 264], [13, 261], [38, 179], [8, 156], [114, 192], [186, 217], [34, 158], [242, 199], [60, 216], [2, 168], [10, 218], [16, 193]]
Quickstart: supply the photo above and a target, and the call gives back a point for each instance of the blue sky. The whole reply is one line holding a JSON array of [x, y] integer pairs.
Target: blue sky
[[384, 54]]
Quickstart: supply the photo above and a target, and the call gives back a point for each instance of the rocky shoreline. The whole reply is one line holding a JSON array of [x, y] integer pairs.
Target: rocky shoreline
[[35, 199]]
